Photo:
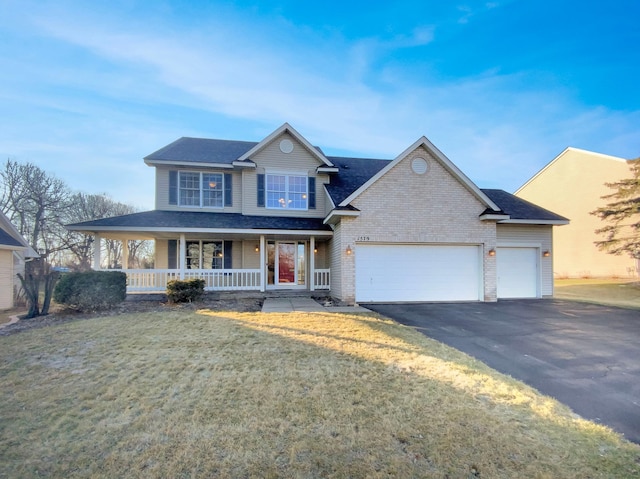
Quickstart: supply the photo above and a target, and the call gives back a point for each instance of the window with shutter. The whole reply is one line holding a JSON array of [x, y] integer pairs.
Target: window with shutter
[[173, 187], [228, 189], [261, 190]]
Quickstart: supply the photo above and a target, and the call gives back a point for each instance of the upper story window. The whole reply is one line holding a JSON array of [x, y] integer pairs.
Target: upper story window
[[200, 189], [287, 191]]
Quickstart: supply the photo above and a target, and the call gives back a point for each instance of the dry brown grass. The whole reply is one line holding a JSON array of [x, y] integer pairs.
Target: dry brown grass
[[211, 394], [607, 291]]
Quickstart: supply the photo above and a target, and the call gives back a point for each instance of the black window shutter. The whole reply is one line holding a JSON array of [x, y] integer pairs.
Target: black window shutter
[[260, 190], [228, 189], [227, 254], [312, 193], [173, 187], [172, 262]]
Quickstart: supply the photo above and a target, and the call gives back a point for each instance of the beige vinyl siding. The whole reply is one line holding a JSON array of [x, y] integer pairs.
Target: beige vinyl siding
[[572, 186], [321, 257], [299, 161], [162, 190], [328, 205], [6, 279], [250, 258], [335, 248], [161, 254], [236, 254], [532, 235]]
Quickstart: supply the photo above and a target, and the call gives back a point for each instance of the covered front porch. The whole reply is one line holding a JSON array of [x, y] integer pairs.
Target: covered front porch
[[226, 261]]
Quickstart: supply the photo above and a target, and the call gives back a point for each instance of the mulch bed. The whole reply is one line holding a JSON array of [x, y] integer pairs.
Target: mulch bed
[[59, 316]]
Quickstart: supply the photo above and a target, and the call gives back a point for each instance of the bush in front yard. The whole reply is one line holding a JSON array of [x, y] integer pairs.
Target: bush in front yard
[[183, 291], [91, 290]]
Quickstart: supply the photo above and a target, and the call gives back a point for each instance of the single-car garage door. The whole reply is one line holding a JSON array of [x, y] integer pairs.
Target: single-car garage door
[[517, 270], [392, 272]]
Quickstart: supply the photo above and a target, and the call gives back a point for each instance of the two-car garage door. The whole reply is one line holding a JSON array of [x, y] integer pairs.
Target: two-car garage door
[[397, 272]]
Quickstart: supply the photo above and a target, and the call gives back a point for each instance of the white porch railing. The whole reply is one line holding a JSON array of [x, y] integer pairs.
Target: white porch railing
[[155, 280], [149, 280], [226, 279], [322, 279]]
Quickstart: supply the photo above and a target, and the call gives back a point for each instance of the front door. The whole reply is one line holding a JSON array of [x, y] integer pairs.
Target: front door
[[286, 269], [286, 264]]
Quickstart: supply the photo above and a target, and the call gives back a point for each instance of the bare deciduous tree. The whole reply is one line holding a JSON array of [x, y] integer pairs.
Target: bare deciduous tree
[[36, 202]]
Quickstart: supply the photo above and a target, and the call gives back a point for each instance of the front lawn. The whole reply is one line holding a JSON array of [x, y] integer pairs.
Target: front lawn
[[612, 292], [223, 394]]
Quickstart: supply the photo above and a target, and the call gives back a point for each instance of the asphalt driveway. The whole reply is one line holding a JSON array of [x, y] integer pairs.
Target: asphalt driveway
[[584, 355]]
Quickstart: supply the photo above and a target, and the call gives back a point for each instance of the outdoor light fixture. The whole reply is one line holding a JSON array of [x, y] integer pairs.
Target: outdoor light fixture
[[349, 251], [315, 250], [546, 253], [492, 252], [257, 249]]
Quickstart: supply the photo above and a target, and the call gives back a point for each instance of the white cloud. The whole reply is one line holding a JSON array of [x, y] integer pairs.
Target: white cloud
[[155, 81]]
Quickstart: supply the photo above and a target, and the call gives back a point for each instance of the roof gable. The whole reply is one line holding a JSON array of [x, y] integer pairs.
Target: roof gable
[[441, 158], [286, 128], [7, 240], [11, 238], [565, 153]]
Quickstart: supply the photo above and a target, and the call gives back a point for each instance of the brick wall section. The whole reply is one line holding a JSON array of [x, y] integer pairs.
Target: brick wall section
[[405, 207]]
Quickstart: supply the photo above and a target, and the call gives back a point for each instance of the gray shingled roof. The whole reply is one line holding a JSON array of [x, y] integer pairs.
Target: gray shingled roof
[[196, 219], [519, 209], [7, 240], [352, 174], [202, 150]]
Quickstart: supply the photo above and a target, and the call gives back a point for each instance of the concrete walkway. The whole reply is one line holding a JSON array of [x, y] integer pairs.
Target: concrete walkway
[[308, 305], [13, 320]]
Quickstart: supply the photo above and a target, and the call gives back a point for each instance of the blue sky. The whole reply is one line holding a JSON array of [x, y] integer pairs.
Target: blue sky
[[501, 87]]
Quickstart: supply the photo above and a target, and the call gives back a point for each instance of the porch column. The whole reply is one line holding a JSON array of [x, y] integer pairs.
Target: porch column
[[97, 240], [312, 264], [125, 254], [183, 256], [263, 263]]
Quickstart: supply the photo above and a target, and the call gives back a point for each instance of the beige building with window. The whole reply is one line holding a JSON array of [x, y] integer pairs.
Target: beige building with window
[[572, 185], [14, 251]]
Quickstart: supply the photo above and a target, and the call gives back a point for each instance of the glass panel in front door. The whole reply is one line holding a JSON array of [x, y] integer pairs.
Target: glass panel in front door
[[301, 264], [286, 263]]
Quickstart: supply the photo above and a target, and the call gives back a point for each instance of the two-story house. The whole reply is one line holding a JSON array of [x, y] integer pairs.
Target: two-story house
[[280, 214]]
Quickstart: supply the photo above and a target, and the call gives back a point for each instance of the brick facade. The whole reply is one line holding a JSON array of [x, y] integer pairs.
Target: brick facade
[[405, 207]]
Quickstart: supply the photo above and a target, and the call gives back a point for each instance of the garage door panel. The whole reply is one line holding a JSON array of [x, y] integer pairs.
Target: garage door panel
[[417, 273], [517, 271]]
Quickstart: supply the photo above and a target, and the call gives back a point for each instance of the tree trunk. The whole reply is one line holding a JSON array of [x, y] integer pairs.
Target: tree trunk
[[50, 280], [31, 285]]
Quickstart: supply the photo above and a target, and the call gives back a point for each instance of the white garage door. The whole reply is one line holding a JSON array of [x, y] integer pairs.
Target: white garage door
[[517, 270], [417, 273]]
